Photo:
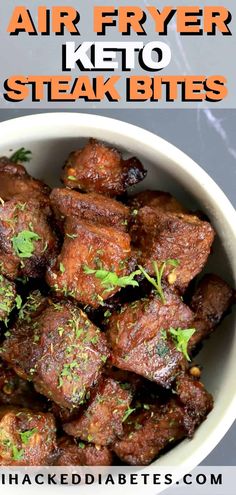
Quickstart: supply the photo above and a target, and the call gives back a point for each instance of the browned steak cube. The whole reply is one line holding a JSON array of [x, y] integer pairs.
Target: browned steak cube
[[15, 182], [149, 430], [58, 348], [155, 199], [7, 298], [27, 438], [89, 247], [153, 427], [102, 420], [98, 168], [161, 236], [72, 453], [27, 240], [192, 394], [140, 339], [92, 207], [15, 391], [212, 298]]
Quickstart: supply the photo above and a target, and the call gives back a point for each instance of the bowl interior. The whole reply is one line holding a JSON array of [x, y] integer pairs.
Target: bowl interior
[[51, 138]]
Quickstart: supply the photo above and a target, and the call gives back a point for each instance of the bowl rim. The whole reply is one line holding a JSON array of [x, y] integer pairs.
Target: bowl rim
[[129, 130], [61, 124]]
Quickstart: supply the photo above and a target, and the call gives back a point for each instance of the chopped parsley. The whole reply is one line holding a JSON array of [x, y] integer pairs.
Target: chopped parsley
[[31, 305], [157, 283], [107, 314], [181, 339], [17, 454], [110, 280], [23, 243], [20, 206], [61, 331], [26, 435], [7, 299], [72, 236], [162, 349], [69, 371], [62, 268], [21, 155], [128, 412], [104, 358], [18, 301]]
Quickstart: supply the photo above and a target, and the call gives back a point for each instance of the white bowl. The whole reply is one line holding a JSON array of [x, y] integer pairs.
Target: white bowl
[[51, 137]]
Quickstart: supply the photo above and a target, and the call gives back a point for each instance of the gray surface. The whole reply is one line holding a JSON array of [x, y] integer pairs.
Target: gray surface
[[42, 55], [209, 138]]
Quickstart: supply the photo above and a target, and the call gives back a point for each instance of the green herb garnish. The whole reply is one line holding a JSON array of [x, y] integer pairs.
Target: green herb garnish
[[18, 301], [127, 414], [26, 435], [17, 454], [31, 305], [23, 243], [72, 236], [104, 359], [162, 349], [157, 283], [181, 339], [107, 314], [21, 155], [110, 280], [62, 268], [6, 297]]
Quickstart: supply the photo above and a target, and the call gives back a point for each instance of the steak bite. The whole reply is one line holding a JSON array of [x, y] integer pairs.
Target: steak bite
[[27, 240], [92, 207], [88, 248], [72, 453], [140, 337], [194, 397], [211, 300], [27, 438], [14, 391], [102, 420], [149, 430], [99, 168], [15, 182], [155, 199], [58, 348], [153, 427], [7, 298], [161, 235]]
